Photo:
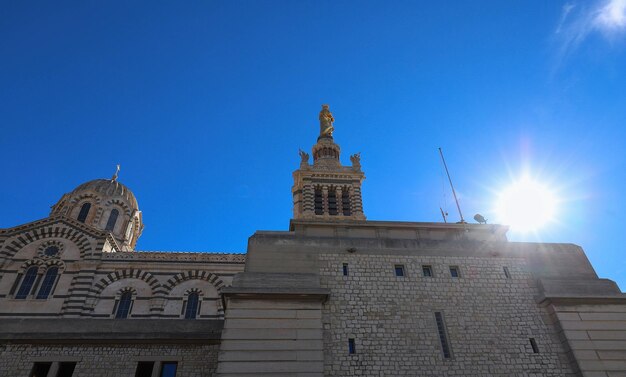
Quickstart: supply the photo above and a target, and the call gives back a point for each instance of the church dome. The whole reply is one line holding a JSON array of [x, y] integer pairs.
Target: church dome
[[107, 205], [110, 188]]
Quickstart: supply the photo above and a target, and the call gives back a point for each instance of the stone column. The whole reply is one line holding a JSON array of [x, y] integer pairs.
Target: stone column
[[357, 202], [308, 200]]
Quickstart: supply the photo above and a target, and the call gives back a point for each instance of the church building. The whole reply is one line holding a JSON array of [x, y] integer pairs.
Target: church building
[[334, 295]]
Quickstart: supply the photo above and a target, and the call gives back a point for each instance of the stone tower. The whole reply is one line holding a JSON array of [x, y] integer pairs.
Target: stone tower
[[327, 190]]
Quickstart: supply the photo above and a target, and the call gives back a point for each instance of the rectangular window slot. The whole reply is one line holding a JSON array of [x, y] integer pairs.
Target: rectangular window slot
[[507, 274], [345, 269], [319, 201], [454, 272], [66, 369], [427, 271], [533, 344], [345, 202], [351, 346], [332, 202], [168, 369], [144, 369], [443, 336], [40, 369], [399, 270]]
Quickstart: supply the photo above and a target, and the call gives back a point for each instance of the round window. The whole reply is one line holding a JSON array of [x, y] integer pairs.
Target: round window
[[51, 251]]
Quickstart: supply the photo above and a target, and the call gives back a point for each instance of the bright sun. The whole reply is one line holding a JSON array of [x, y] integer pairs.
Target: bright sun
[[526, 206]]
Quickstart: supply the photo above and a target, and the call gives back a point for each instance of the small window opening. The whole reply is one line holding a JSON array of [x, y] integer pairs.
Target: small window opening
[[124, 305], [345, 269], [454, 271], [533, 344], [427, 271], [399, 270], [443, 336], [191, 310], [144, 369], [345, 202], [27, 283], [507, 274], [332, 202], [168, 369], [48, 283], [84, 211], [40, 369], [112, 219], [319, 201], [351, 346], [66, 369]]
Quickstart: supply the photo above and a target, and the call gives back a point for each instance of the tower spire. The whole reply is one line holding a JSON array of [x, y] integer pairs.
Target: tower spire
[[326, 189], [326, 122]]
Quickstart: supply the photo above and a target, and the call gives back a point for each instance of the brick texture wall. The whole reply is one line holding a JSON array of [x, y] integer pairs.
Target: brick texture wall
[[489, 318], [109, 360]]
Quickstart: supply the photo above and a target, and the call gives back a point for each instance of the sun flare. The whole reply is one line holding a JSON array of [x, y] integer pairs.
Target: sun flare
[[526, 206]]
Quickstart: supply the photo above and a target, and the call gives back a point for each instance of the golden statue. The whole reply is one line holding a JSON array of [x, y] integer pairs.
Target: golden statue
[[326, 122]]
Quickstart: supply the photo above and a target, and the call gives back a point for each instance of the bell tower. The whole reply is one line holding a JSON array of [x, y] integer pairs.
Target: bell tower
[[326, 189]]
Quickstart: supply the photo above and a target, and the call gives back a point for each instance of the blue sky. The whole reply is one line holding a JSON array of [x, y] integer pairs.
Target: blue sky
[[205, 104]]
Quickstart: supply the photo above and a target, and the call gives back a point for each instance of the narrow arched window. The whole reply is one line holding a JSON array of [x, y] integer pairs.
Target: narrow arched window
[[191, 310], [48, 283], [27, 283], [84, 211], [112, 219], [124, 305]]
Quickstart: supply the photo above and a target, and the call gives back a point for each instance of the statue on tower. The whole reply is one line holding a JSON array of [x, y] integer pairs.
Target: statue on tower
[[326, 122]]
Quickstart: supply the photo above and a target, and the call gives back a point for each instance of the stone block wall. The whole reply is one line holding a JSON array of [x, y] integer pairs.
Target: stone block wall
[[272, 337], [110, 360], [489, 318], [595, 336]]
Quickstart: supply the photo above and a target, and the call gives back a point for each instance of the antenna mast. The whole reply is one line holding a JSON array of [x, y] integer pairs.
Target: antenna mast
[[452, 186]]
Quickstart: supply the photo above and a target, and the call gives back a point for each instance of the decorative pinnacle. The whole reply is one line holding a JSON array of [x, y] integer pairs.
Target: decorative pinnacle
[[117, 170], [326, 122]]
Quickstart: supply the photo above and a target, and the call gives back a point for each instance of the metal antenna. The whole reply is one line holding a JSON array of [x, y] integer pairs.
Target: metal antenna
[[452, 186]]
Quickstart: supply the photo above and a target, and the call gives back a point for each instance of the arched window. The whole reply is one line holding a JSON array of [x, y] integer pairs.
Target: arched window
[[84, 211], [191, 310], [124, 305], [112, 219], [48, 283], [27, 283]]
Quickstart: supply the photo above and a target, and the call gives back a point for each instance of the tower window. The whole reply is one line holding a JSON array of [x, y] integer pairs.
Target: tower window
[[427, 271], [454, 271], [332, 202], [319, 201], [399, 269], [124, 305], [345, 202], [27, 283], [351, 346], [443, 336], [191, 309], [533, 344], [345, 269], [48, 283], [112, 220], [84, 211]]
